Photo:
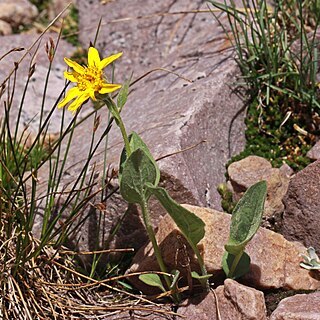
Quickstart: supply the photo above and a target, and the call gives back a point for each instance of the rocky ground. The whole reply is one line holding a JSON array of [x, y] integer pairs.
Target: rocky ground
[[200, 114]]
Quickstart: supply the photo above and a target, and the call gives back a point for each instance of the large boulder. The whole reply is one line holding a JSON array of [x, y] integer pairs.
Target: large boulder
[[203, 119]]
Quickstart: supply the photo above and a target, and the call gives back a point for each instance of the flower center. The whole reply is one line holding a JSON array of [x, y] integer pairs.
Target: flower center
[[92, 78]]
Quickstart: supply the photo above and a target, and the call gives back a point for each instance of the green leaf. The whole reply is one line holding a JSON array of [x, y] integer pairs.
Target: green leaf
[[137, 143], [308, 266], [137, 171], [191, 226], [123, 94], [246, 217], [125, 285], [175, 274], [196, 275], [242, 267], [153, 280]]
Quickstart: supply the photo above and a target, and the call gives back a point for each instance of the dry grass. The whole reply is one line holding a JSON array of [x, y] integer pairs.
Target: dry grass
[[49, 287]]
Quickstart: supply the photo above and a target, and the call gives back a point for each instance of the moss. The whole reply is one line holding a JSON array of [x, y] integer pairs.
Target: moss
[[270, 135], [227, 202], [41, 4]]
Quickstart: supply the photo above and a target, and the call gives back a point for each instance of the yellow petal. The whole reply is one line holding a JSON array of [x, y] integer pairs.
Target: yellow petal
[[74, 65], [92, 96], [109, 87], [93, 57], [79, 101], [71, 94], [108, 60], [70, 76]]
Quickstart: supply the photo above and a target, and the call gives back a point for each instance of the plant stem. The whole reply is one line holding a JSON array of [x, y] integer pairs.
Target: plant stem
[[116, 114], [124, 134], [235, 263], [202, 265], [152, 237]]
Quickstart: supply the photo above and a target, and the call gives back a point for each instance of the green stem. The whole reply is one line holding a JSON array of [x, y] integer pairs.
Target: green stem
[[124, 134], [152, 237], [202, 265], [235, 263], [116, 114], [200, 261]]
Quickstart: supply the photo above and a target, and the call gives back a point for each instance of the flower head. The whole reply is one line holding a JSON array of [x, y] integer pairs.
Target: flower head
[[89, 79]]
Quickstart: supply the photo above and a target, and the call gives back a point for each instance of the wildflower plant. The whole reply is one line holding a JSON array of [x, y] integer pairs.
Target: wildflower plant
[[139, 174]]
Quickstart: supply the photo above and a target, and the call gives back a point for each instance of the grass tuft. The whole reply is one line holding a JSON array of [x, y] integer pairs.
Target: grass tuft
[[276, 48]]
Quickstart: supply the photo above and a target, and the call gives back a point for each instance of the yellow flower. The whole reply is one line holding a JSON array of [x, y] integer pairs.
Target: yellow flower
[[89, 79]]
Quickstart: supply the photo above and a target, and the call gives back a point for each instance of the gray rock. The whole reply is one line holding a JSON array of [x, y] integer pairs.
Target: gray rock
[[30, 116], [232, 301], [298, 307], [301, 218], [205, 304], [286, 170], [252, 169], [170, 113], [237, 301], [5, 28], [246, 172], [56, 6], [19, 12], [314, 152]]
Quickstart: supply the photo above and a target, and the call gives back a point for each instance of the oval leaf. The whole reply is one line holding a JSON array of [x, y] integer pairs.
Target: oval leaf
[[246, 217], [152, 279], [191, 226], [123, 94], [137, 171], [175, 278], [137, 143]]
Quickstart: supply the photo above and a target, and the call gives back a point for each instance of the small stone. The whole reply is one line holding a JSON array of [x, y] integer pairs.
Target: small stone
[[5, 28], [277, 186], [246, 172], [204, 305], [233, 301], [314, 152], [301, 218], [286, 170], [298, 307], [237, 301], [252, 169], [19, 12]]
